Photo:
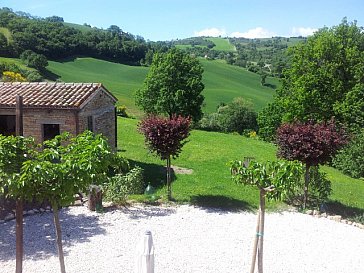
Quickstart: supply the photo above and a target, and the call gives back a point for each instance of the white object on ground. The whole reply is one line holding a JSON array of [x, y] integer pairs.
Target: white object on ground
[[145, 254]]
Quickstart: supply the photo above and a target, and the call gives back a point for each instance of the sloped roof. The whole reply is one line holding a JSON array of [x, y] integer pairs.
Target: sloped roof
[[49, 95]]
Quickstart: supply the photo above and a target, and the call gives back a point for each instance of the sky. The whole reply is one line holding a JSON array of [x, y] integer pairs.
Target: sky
[[161, 20]]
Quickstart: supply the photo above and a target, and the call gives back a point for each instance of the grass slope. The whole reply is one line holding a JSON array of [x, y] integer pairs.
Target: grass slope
[[16, 62], [121, 80], [222, 82], [207, 153], [221, 44], [82, 28], [6, 33]]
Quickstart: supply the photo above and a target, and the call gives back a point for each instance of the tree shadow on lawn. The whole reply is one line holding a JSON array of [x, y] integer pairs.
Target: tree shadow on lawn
[[347, 212], [213, 203], [49, 75], [154, 173], [40, 237]]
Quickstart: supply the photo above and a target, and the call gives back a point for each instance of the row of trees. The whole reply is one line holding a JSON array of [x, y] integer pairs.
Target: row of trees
[[55, 40]]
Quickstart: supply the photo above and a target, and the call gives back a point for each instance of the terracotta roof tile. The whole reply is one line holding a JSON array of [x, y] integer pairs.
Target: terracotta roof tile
[[48, 95]]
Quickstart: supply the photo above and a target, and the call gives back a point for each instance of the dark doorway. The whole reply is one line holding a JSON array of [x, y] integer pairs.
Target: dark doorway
[[7, 125], [50, 131]]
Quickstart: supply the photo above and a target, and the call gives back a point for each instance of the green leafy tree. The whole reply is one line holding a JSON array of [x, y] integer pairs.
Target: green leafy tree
[[350, 159], [32, 59], [66, 167], [325, 78], [173, 86], [14, 151], [275, 181]]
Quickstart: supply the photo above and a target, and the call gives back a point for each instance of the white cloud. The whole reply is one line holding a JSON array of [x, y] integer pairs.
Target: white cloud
[[303, 31], [212, 32], [257, 32]]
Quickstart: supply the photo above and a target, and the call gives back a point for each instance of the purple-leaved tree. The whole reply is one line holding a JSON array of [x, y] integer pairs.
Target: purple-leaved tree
[[311, 143], [166, 138]]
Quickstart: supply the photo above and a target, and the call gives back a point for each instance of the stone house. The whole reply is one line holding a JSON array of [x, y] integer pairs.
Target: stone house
[[52, 108]]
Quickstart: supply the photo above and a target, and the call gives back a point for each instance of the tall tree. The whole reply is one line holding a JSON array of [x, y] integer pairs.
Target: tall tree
[[325, 77], [173, 86], [165, 137]]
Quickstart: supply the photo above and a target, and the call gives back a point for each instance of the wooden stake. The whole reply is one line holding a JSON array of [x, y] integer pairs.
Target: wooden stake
[[19, 201], [255, 247]]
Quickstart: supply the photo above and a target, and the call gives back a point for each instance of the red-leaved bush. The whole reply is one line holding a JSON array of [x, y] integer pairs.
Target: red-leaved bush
[[165, 137], [311, 143]]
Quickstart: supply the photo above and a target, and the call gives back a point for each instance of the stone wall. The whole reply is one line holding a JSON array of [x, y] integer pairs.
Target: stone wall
[[102, 110]]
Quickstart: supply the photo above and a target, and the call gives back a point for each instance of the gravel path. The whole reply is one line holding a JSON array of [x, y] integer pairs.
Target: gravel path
[[186, 239]]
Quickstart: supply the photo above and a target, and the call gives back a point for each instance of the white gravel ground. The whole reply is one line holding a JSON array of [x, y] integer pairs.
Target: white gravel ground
[[186, 239]]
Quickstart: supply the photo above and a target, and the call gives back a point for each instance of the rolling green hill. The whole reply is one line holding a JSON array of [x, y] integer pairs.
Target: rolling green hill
[[222, 82], [222, 44]]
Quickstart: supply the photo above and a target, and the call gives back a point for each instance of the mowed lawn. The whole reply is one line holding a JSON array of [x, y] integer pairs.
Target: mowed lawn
[[210, 184], [222, 82]]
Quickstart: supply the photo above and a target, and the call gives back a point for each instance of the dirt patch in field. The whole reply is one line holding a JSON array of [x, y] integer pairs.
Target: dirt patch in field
[[181, 170]]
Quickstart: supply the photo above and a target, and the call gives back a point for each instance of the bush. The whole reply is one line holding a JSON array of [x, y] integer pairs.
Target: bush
[[118, 165], [209, 122], [120, 186], [269, 119], [318, 192], [32, 59], [237, 116], [33, 76], [350, 160], [121, 111]]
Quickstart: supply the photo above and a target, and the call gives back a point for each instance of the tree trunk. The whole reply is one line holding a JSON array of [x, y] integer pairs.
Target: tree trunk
[[59, 237], [307, 181], [255, 247], [169, 188], [94, 198], [261, 230], [19, 235]]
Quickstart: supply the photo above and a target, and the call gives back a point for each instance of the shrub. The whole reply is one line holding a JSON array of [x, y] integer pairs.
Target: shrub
[[9, 76], [209, 122], [318, 192], [120, 186], [33, 76], [32, 59], [118, 165], [121, 111], [237, 116], [350, 160]]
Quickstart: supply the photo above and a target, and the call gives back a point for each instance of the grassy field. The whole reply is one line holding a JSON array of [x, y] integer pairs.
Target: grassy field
[[222, 44], [121, 80], [16, 62], [6, 33], [207, 153], [78, 27], [222, 82]]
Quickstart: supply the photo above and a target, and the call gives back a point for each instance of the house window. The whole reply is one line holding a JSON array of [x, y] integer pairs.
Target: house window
[[90, 124], [7, 125], [50, 131]]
